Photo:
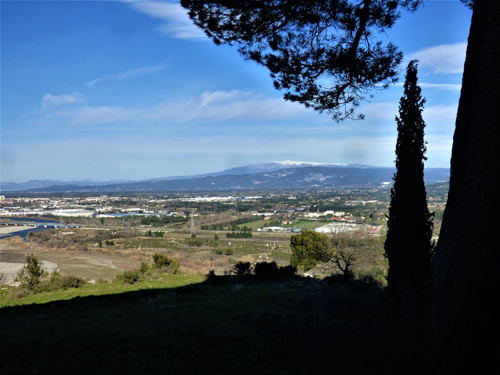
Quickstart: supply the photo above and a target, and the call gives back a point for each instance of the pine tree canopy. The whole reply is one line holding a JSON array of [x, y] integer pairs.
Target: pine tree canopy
[[323, 54]]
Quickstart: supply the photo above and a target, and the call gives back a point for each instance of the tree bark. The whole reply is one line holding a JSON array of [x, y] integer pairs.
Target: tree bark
[[466, 288]]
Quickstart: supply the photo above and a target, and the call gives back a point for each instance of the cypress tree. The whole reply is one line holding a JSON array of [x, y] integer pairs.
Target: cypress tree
[[409, 246]]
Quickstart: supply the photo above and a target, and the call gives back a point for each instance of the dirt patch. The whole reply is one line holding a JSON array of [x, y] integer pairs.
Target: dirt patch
[[83, 264]]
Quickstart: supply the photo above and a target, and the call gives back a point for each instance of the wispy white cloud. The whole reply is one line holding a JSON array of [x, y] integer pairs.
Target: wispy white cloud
[[440, 86], [443, 59], [209, 106], [244, 105], [50, 100], [128, 74], [176, 22]]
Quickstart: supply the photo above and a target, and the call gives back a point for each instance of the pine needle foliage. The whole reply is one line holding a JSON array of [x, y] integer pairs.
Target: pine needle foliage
[[322, 54]]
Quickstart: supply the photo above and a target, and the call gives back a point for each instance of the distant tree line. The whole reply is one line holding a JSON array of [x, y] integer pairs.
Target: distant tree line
[[150, 233], [239, 234]]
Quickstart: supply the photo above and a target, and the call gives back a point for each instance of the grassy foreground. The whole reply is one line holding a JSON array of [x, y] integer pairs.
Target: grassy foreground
[[193, 325]]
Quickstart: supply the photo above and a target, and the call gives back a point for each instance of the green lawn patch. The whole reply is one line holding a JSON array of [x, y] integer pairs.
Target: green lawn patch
[[309, 224]]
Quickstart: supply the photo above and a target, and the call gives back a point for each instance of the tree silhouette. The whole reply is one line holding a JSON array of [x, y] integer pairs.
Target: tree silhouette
[[323, 54], [408, 245]]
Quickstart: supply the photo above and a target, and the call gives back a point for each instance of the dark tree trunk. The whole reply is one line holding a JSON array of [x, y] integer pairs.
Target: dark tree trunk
[[466, 285]]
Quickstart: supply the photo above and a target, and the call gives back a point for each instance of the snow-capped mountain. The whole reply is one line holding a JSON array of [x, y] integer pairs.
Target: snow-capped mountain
[[269, 166], [286, 175]]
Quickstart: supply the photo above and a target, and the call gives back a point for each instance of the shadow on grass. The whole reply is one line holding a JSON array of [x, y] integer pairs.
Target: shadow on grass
[[224, 325]]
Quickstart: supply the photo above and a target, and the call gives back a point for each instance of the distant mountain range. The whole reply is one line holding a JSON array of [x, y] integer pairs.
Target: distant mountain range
[[285, 175], [39, 184]]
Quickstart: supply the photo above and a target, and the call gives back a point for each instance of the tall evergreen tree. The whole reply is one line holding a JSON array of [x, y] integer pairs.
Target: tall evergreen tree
[[408, 245], [306, 44]]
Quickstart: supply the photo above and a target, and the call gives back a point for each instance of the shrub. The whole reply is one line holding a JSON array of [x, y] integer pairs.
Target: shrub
[[243, 268], [57, 281], [195, 242], [218, 251], [30, 274], [163, 261], [153, 274], [340, 277], [144, 268], [267, 270], [129, 277], [70, 281], [370, 279], [211, 274], [288, 271], [228, 252], [18, 294]]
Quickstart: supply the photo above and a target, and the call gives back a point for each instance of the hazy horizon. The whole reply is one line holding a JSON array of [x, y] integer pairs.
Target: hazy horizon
[[203, 173], [133, 90]]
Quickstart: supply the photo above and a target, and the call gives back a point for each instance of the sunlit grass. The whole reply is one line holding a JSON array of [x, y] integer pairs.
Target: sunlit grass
[[100, 289]]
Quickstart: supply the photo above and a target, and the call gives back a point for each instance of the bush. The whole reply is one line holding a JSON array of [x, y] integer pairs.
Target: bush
[[218, 251], [211, 274], [243, 268], [288, 271], [57, 281], [150, 233], [195, 242], [31, 273], [163, 261], [70, 281], [153, 274], [18, 294], [340, 277], [265, 270], [144, 268], [228, 252], [129, 277]]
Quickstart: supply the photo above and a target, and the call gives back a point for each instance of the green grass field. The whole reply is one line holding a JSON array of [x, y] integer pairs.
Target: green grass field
[[309, 224], [219, 326], [254, 225], [167, 281], [223, 325]]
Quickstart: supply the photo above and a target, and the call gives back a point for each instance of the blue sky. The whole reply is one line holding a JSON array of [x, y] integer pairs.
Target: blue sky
[[132, 90]]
